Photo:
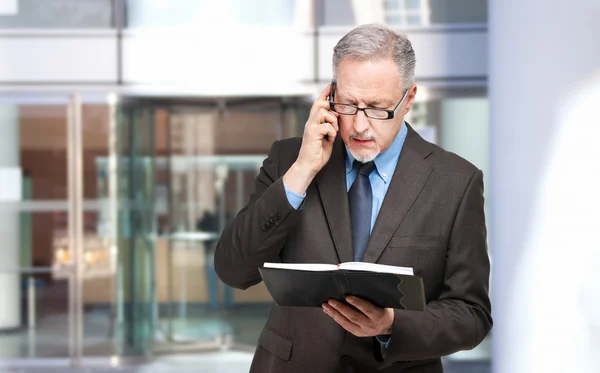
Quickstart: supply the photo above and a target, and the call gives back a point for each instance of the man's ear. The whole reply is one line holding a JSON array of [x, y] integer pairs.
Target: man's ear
[[412, 93]]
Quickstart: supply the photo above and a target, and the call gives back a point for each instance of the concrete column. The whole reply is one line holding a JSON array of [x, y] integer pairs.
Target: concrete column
[[10, 191], [545, 183]]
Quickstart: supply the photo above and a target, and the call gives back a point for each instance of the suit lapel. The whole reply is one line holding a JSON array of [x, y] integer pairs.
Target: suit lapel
[[331, 181], [409, 178]]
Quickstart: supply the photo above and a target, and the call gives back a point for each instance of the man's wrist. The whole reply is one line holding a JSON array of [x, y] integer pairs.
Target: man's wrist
[[298, 178]]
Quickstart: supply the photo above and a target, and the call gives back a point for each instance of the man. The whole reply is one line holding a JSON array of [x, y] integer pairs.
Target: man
[[361, 184]]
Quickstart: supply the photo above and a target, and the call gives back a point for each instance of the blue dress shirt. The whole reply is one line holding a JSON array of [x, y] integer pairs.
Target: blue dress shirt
[[385, 164]]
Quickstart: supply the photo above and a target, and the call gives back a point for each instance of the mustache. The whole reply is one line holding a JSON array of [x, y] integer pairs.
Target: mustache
[[362, 136]]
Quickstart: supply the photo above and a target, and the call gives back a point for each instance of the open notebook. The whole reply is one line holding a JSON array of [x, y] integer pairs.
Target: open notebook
[[351, 266], [312, 284]]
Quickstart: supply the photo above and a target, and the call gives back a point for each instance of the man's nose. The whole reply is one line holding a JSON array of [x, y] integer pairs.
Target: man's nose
[[361, 122]]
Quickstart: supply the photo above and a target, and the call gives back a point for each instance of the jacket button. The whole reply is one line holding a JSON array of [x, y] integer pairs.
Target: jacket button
[[265, 228], [346, 359], [278, 216]]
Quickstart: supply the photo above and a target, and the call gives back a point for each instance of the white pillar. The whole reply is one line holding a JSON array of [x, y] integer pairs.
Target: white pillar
[[10, 191], [545, 180]]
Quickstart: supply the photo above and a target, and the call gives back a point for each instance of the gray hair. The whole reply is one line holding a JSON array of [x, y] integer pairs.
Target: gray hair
[[375, 41]]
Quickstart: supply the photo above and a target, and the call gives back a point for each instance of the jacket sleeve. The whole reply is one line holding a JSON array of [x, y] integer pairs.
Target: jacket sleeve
[[259, 231], [461, 316]]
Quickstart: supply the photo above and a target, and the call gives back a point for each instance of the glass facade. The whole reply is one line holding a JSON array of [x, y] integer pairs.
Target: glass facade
[[136, 284], [404, 13], [59, 14], [159, 182], [205, 13]]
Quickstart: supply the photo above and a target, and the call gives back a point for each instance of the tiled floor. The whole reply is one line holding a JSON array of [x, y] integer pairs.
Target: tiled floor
[[46, 349], [212, 362]]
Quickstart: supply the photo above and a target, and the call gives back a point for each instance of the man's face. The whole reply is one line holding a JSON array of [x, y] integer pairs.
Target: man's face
[[370, 83]]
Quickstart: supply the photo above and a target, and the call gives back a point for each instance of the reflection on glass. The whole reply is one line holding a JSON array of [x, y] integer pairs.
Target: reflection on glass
[[413, 20], [43, 313], [419, 12], [46, 14], [414, 4], [202, 13], [392, 4]]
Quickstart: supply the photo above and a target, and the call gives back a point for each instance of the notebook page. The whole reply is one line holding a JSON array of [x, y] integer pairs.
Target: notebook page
[[373, 267], [303, 266]]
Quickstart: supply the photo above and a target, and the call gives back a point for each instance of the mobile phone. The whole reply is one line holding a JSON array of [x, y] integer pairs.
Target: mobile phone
[[331, 98], [332, 94]]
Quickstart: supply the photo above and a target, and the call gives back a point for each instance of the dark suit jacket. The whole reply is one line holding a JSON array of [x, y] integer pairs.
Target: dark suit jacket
[[432, 219]]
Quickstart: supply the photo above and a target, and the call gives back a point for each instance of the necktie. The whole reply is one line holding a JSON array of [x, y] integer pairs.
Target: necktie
[[360, 199]]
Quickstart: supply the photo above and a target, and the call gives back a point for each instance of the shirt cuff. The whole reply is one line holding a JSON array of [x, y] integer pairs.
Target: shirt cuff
[[384, 340], [294, 198]]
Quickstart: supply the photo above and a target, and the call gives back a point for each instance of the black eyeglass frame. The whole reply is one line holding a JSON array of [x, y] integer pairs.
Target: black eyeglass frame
[[390, 113]]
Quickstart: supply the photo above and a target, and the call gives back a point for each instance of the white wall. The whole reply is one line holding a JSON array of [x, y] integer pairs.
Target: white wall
[[59, 57], [220, 60], [215, 61]]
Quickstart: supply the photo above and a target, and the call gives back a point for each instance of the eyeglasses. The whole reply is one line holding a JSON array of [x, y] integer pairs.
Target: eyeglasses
[[374, 113]]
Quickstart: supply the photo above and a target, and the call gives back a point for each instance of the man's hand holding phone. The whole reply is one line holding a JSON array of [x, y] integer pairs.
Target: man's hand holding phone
[[320, 132]]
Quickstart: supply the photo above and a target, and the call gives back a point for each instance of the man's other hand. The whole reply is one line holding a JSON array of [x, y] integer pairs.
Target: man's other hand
[[362, 320]]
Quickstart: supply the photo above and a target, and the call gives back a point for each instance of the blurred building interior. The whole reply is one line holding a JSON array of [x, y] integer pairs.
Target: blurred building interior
[[132, 133]]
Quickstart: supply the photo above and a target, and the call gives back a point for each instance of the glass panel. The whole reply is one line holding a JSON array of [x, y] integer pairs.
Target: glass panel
[[136, 232], [34, 319], [195, 13], [392, 4], [440, 12], [336, 12], [43, 154], [34, 303], [205, 172], [60, 14], [120, 239], [99, 246], [412, 4], [458, 11], [394, 19], [413, 20]]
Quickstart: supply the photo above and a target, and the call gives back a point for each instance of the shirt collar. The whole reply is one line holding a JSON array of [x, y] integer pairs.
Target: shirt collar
[[385, 162]]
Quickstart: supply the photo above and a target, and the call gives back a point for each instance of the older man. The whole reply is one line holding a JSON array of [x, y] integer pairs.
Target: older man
[[362, 185]]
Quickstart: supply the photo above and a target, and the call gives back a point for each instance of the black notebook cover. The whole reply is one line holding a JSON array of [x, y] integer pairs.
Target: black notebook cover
[[313, 288]]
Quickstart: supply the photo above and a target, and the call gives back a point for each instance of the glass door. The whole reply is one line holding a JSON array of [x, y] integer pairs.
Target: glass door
[[208, 155], [43, 216], [167, 182], [33, 213], [188, 288]]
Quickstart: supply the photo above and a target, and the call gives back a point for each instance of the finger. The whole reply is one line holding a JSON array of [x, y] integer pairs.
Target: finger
[[321, 101], [330, 117], [341, 320], [349, 312], [321, 105], [326, 129], [366, 307]]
